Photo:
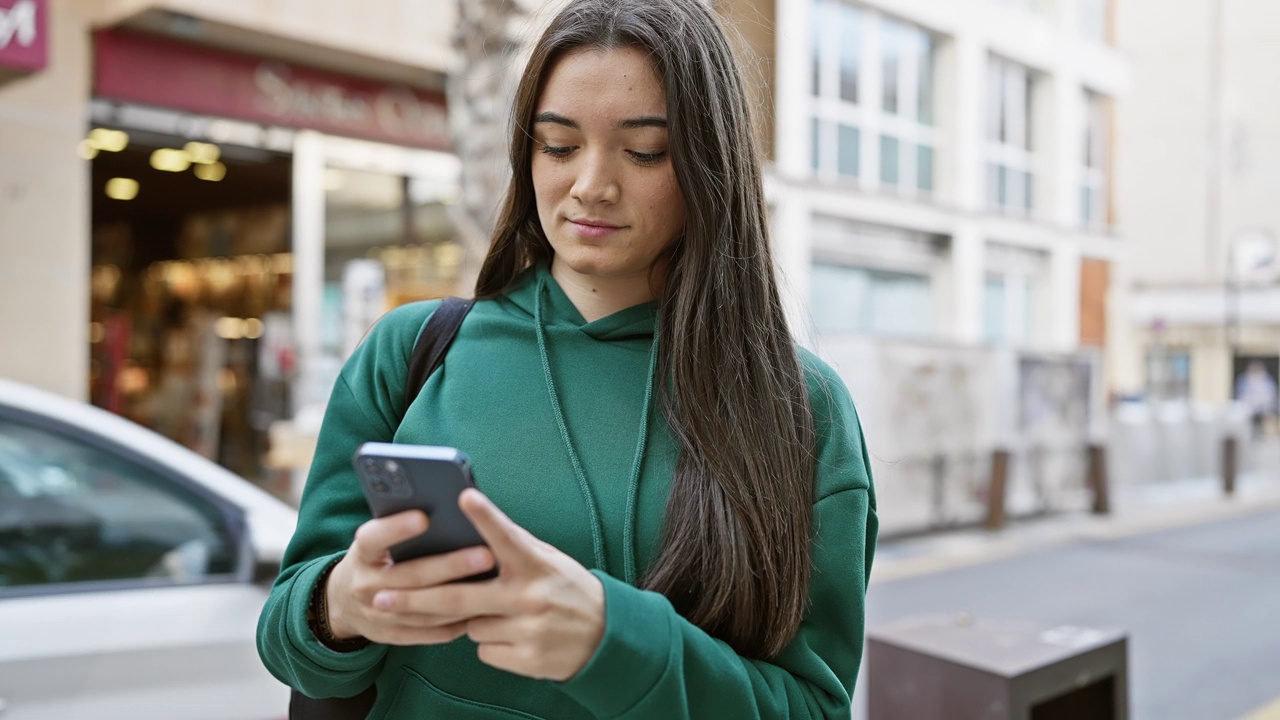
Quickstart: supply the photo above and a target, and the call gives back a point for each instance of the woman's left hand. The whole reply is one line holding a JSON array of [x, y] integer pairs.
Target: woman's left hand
[[542, 617]]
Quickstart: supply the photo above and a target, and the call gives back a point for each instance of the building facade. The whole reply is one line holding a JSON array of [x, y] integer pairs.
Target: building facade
[[942, 170], [1196, 192], [203, 205]]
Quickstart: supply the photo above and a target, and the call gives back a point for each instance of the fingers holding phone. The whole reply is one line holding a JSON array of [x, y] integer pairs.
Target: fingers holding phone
[[356, 589]]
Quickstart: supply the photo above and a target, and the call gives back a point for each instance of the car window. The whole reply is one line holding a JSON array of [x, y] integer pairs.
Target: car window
[[71, 513]]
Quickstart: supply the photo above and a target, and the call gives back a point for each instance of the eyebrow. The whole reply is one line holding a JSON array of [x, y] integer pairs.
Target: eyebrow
[[628, 124]]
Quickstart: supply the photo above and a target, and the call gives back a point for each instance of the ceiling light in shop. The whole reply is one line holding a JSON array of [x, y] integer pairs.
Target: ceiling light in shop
[[202, 153], [122, 188], [109, 140], [97, 332], [230, 328], [86, 150], [253, 328], [212, 172], [170, 160]]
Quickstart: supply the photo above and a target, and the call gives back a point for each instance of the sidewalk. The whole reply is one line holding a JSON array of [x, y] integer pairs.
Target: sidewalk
[[1135, 510]]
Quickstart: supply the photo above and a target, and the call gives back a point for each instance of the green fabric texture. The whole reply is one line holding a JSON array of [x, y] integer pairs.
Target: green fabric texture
[[491, 399]]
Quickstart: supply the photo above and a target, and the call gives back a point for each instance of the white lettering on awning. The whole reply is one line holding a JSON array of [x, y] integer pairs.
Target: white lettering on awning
[[20, 22]]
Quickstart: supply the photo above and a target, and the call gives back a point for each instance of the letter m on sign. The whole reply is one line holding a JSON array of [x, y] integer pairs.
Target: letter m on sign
[[19, 23]]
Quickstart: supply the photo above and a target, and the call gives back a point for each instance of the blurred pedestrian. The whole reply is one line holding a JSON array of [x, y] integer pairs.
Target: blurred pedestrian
[[1256, 389], [677, 498]]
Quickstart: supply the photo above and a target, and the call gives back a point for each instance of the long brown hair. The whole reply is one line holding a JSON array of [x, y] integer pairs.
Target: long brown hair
[[735, 556]]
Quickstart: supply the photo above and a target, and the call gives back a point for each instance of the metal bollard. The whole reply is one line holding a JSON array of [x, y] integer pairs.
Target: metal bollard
[[1097, 480], [1230, 449], [996, 490]]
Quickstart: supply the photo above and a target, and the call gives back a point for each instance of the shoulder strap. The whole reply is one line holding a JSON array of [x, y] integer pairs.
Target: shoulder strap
[[433, 342]]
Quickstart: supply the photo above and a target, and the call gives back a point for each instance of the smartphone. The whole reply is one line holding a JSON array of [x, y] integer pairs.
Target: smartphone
[[397, 477]]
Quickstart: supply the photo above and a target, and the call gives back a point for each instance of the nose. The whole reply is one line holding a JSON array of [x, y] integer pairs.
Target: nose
[[596, 180]]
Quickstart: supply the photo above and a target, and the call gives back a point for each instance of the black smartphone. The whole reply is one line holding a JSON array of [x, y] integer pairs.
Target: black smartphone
[[398, 477]]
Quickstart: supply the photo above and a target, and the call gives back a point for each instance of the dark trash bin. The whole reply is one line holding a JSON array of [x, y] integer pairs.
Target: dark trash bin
[[959, 668]]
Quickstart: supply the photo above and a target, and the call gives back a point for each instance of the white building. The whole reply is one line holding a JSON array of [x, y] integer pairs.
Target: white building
[[1196, 190], [942, 169]]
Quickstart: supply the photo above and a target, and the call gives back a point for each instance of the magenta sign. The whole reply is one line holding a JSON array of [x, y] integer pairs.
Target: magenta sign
[[166, 73], [24, 36]]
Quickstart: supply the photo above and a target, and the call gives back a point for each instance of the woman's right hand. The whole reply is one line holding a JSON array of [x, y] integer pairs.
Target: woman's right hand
[[367, 568]]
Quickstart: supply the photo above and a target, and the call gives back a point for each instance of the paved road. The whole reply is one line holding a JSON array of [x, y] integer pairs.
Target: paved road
[[1201, 604]]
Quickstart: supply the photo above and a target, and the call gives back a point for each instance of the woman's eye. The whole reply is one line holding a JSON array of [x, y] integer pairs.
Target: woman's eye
[[556, 151], [647, 158]]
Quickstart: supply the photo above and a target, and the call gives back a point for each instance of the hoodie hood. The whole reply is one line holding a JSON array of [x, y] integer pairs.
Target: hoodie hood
[[637, 321]]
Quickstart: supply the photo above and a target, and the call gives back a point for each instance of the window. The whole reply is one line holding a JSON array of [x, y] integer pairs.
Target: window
[[1168, 373], [73, 513], [887, 140], [1009, 293], [852, 299], [1093, 19], [1032, 6], [1093, 186], [876, 279], [1010, 178], [1008, 309]]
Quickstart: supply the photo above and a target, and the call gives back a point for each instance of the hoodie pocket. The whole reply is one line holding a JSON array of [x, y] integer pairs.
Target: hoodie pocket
[[416, 697]]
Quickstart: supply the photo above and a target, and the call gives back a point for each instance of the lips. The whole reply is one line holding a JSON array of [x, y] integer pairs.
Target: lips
[[593, 229], [596, 224]]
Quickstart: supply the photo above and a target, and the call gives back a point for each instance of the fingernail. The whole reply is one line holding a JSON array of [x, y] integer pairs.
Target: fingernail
[[382, 600]]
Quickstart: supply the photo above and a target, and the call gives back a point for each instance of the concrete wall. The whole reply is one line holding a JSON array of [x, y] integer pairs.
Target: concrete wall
[[44, 215]]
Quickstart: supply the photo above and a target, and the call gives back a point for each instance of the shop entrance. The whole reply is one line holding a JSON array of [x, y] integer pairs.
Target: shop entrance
[[191, 289]]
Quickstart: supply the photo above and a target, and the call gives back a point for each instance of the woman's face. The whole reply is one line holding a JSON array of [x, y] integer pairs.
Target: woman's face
[[607, 193]]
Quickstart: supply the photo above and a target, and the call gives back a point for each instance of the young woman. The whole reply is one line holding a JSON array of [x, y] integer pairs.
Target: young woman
[[677, 498]]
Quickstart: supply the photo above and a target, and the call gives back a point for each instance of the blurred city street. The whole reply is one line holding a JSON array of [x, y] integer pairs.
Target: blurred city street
[[1037, 240], [1190, 575]]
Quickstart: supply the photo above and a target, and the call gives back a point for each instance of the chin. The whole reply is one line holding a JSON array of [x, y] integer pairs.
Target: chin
[[586, 259]]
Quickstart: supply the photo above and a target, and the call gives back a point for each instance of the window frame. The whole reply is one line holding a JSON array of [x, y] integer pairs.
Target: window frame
[[1008, 80], [828, 111], [1097, 146], [234, 517]]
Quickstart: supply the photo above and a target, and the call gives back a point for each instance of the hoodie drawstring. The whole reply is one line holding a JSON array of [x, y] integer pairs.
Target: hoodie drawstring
[[633, 485]]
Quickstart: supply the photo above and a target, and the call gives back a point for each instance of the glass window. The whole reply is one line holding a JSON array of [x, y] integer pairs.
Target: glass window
[[1093, 19], [848, 144], [993, 309], [815, 129], [902, 111], [852, 299], [1094, 171], [924, 43], [1010, 180], [817, 38], [889, 160], [890, 47], [73, 513], [850, 24], [924, 168], [1168, 373]]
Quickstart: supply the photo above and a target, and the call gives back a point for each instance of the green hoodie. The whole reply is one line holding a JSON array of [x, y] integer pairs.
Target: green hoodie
[[491, 398]]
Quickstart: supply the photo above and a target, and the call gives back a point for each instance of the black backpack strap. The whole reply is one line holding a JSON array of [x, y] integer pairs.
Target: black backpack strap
[[428, 352], [433, 342]]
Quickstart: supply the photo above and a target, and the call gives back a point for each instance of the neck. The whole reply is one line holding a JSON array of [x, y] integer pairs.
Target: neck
[[595, 296]]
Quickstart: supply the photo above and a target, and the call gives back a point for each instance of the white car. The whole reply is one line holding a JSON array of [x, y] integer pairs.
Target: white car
[[132, 571]]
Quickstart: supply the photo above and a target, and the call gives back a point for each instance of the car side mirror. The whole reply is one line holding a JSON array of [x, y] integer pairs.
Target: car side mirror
[[265, 571]]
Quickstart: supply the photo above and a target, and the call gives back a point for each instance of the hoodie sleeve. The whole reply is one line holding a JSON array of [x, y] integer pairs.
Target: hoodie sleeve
[[654, 663], [364, 406]]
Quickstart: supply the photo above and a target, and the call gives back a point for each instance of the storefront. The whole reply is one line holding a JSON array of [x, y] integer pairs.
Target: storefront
[[251, 219]]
